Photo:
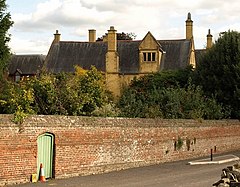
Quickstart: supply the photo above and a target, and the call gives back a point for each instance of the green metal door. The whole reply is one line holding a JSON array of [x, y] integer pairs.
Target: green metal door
[[45, 154]]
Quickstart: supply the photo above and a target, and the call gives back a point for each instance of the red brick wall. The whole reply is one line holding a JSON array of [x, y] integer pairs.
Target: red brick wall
[[94, 145]]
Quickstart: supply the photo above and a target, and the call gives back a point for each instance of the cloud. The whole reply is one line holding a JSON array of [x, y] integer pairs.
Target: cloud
[[29, 46], [165, 19]]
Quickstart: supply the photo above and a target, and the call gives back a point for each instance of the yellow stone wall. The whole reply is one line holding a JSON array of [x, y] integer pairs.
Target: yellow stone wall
[[112, 75], [149, 67], [126, 79], [189, 30], [192, 59], [112, 62], [113, 83], [149, 45]]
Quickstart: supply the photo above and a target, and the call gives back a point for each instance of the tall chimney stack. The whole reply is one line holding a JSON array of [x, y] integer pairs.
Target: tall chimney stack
[[189, 27], [209, 39], [92, 35], [112, 39], [56, 37]]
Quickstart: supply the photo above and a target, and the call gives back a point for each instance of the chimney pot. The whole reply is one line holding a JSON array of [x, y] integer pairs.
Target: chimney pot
[[112, 39], [112, 28], [92, 35], [56, 37], [189, 27], [209, 39]]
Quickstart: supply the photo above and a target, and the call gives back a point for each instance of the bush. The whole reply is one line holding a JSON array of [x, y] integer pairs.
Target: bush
[[169, 102]]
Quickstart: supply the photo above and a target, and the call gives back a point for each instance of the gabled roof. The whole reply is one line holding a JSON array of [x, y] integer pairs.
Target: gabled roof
[[63, 56], [176, 54], [128, 57], [26, 64], [149, 35]]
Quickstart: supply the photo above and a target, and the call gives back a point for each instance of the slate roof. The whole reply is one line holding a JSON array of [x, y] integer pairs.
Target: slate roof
[[63, 56], [199, 53], [128, 57], [176, 54], [26, 64]]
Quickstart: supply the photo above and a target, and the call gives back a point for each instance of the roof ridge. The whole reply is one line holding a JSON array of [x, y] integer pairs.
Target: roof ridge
[[174, 40]]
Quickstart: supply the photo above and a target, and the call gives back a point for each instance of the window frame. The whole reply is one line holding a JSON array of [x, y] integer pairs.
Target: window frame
[[17, 77], [149, 56]]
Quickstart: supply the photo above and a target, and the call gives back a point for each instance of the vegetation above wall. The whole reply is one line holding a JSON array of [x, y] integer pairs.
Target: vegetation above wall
[[5, 24], [219, 72], [211, 91], [63, 94], [169, 94]]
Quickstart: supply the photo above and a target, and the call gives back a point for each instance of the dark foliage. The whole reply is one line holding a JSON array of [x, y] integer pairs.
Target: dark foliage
[[5, 24], [219, 72], [168, 94]]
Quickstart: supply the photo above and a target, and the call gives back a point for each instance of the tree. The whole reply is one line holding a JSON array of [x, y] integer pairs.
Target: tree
[[163, 79], [5, 24], [168, 94], [69, 94], [16, 99], [122, 36], [219, 72], [82, 93]]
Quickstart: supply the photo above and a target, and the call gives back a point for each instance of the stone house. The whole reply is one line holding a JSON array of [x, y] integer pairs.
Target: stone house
[[122, 60]]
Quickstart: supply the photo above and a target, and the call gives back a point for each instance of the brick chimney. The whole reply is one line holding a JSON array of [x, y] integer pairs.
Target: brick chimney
[[189, 27], [56, 37], [92, 35], [112, 63], [209, 39], [105, 38], [112, 39]]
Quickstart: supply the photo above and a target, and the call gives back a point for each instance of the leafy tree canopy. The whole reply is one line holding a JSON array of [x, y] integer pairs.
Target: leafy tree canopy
[[5, 24], [65, 94], [122, 36], [219, 72], [168, 94]]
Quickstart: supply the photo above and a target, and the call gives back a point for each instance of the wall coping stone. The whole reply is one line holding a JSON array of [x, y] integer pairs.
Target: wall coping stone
[[83, 121]]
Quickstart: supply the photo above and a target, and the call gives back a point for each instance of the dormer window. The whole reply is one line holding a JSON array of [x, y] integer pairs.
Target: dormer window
[[17, 75], [149, 57]]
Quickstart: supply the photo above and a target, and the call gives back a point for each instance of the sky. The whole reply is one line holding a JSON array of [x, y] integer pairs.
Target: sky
[[35, 21]]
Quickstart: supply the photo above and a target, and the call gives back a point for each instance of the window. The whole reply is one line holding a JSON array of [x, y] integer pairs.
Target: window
[[144, 57], [153, 56], [149, 57], [17, 77]]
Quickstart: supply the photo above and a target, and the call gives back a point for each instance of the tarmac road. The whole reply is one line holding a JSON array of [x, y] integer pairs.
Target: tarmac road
[[174, 174]]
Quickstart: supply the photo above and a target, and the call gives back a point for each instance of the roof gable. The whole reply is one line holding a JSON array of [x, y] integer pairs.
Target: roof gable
[[149, 43]]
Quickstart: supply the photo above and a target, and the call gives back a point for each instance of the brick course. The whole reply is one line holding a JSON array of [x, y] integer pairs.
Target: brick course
[[85, 145]]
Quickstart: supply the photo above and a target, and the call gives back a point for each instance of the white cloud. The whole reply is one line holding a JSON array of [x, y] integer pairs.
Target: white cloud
[[29, 46], [165, 19]]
